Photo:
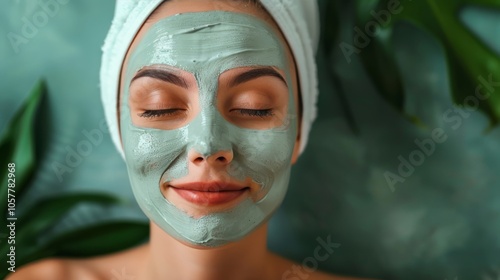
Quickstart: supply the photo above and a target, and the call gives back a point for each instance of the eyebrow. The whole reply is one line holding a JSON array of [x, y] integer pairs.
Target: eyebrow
[[256, 73], [163, 75]]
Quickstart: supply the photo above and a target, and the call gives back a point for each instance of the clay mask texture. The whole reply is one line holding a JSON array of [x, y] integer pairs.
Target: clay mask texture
[[206, 45]]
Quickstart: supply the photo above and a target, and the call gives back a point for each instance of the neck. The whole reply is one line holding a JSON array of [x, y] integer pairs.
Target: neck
[[241, 260]]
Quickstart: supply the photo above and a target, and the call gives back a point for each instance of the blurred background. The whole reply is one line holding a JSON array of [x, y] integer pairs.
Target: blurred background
[[402, 169]]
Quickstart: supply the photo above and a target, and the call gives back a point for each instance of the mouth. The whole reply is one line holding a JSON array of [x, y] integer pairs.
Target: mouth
[[210, 194]]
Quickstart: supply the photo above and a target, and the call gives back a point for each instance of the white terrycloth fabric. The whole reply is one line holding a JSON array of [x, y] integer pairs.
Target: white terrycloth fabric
[[298, 20]]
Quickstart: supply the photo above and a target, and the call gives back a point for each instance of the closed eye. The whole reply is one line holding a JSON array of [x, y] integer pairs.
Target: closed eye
[[255, 113], [150, 114]]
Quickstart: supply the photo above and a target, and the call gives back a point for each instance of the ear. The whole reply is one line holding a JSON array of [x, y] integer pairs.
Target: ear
[[296, 148]]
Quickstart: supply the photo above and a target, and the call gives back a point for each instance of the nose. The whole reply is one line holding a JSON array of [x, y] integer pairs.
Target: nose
[[210, 140], [210, 145], [219, 158]]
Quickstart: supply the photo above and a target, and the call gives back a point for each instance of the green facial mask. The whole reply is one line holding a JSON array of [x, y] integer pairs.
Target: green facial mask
[[207, 44]]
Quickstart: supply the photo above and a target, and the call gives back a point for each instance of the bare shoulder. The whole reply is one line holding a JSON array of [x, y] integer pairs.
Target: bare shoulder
[[102, 267], [49, 269], [289, 270]]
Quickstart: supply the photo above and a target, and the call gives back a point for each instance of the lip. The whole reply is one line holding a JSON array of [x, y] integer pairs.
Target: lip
[[208, 194]]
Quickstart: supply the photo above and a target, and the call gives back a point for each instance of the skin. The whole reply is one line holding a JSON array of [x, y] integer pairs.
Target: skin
[[165, 257]]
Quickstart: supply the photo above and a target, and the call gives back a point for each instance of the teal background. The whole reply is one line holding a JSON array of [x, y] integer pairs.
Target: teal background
[[441, 223]]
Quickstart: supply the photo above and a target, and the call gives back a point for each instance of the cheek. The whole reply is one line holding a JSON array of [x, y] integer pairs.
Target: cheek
[[262, 155], [147, 151]]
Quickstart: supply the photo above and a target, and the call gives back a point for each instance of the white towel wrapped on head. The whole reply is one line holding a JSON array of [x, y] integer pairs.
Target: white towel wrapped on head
[[298, 20]]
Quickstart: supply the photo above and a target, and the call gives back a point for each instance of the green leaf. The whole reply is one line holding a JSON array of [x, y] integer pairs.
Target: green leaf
[[383, 70], [47, 212], [470, 61], [43, 215], [17, 145], [99, 239], [378, 57]]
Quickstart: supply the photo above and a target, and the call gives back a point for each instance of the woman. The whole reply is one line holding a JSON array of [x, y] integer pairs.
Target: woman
[[210, 122]]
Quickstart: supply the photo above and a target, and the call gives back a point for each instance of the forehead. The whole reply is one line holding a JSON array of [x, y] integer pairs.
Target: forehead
[[215, 40], [174, 7]]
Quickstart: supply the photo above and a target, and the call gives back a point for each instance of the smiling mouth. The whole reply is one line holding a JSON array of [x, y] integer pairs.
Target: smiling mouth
[[210, 194]]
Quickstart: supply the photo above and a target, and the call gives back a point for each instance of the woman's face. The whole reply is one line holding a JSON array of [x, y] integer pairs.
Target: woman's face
[[208, 118]]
